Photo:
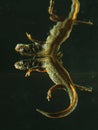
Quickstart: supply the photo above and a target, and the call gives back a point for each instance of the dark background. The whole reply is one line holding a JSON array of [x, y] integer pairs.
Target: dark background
[[20, 96]]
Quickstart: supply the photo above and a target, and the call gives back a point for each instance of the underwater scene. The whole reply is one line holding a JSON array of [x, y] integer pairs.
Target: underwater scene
[[49, 64]]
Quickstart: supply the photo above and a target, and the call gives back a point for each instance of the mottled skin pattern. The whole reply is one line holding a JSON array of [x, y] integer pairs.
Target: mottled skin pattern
[[46, 57]]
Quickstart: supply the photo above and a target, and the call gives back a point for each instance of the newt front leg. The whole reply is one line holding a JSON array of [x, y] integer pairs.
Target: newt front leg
[[32, 70]]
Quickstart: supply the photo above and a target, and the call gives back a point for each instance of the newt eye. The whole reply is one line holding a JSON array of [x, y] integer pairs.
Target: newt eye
[[19, 65], [19, 48]]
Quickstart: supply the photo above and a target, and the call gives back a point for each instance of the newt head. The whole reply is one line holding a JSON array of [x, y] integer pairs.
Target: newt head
[[28, 49], [26, 64]]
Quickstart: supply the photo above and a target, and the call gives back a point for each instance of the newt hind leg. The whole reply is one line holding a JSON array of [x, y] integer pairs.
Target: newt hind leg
[[82, 88], [49, 93], [53, 16]]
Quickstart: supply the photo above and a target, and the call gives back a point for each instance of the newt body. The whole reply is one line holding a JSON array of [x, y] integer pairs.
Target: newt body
[[46, 57]]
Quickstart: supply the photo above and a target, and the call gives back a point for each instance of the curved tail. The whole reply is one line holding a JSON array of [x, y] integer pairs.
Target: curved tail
[[73, 103]]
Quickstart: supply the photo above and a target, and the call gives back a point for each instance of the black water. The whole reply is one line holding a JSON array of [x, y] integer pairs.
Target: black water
[[20, 96]]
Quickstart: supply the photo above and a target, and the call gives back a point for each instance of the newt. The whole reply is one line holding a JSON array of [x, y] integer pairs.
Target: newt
[[45, 56]]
